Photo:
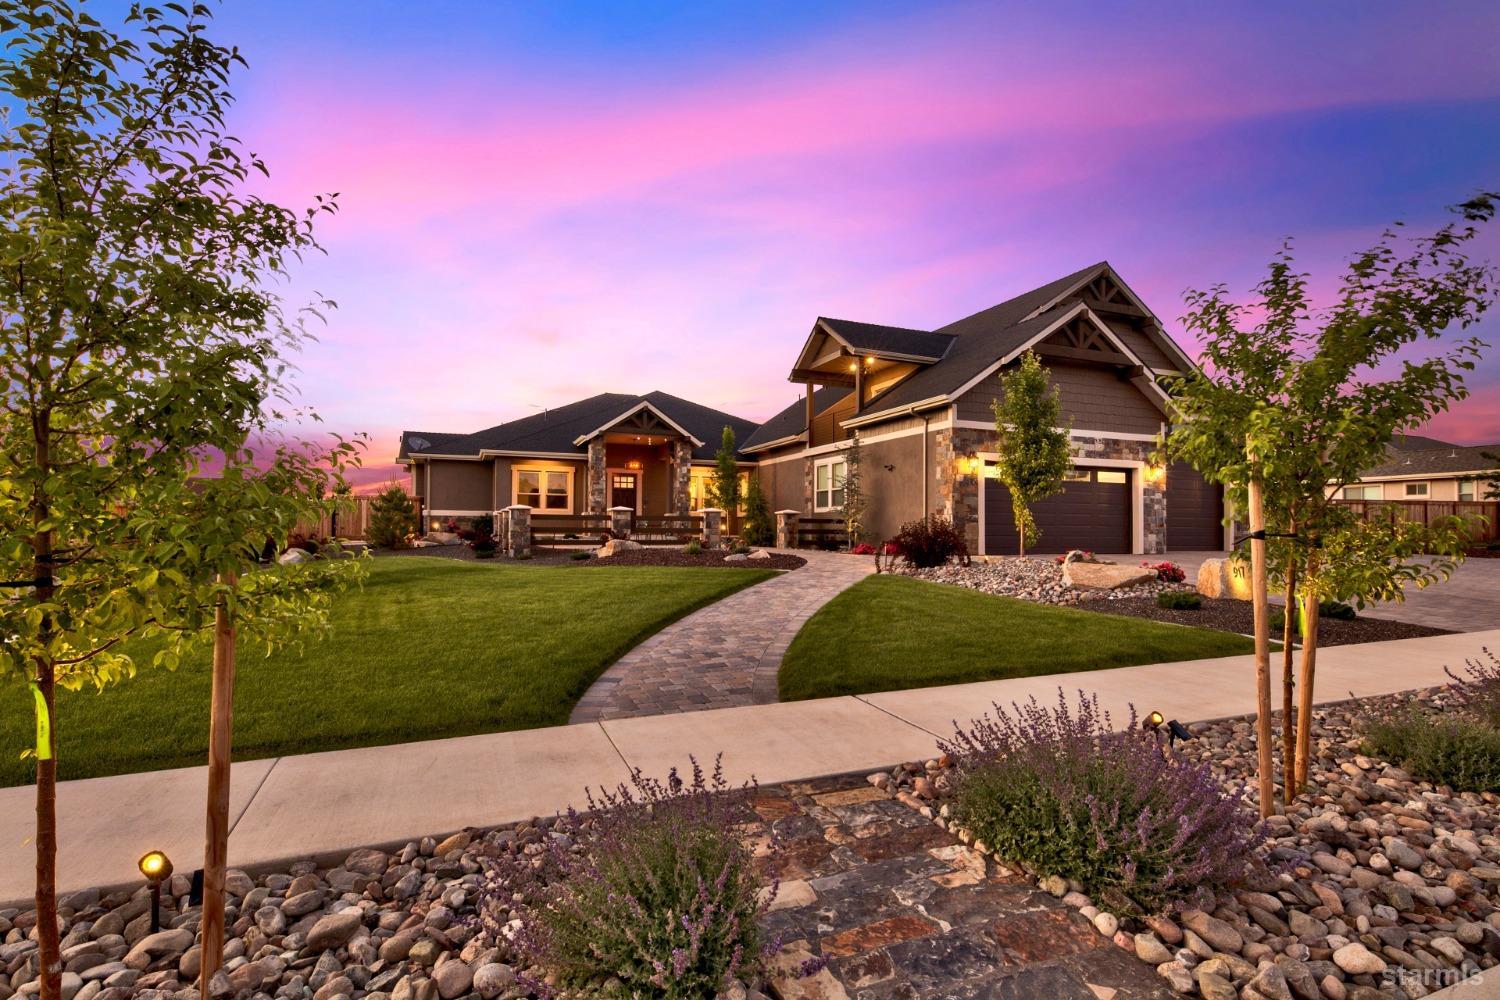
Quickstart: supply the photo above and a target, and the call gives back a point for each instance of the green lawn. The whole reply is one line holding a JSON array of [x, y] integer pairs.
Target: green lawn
[[887, 633], [429, 648]]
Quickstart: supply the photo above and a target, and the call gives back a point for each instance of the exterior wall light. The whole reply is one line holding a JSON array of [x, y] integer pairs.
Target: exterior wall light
[[634, 463], [1156, 475], [157, 868]]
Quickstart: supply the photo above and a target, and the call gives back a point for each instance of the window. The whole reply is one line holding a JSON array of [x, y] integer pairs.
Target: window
[[701, 484], [1111, 476], [1076, 475], [543, 489], [1416, 489], [1362, 492], [1466, 489], [828, 484]]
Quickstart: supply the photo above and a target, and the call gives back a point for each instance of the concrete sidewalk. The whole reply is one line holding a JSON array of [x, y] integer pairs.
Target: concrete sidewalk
[[325, 804]]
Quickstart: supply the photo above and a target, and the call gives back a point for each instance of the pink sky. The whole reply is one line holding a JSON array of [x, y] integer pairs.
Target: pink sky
[[537, 205]]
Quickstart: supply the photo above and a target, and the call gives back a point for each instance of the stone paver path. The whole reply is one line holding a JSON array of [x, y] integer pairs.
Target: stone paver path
[[726, 654]]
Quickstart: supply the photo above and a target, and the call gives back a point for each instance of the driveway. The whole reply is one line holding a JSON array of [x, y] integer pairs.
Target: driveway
[[1469, 601]]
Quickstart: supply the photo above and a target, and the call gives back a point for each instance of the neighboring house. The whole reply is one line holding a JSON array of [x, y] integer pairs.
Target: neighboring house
[[1423, 468], [920, 401]]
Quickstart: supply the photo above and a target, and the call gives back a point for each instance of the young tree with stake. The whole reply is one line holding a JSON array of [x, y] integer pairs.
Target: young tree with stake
[[724, 492], [1034, 451], [1306, 399], [139, 341]]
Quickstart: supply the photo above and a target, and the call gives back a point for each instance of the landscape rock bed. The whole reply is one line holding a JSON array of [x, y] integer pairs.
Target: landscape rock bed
[[1237, 616], [1034, 579], [1391, 885]]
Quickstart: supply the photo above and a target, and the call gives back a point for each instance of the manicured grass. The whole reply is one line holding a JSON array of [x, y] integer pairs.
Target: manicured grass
[[887, 633], [428, 648]]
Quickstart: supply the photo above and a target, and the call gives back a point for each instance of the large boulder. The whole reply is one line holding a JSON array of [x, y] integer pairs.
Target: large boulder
[[444, 537], [1229, 578], [292, 557], [614, 545], [1105, 576]]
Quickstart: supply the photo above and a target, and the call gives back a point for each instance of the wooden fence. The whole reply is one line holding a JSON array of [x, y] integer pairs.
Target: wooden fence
[[822, 533], [350, 519], [1481, 515], [673, 529], [580, 529]]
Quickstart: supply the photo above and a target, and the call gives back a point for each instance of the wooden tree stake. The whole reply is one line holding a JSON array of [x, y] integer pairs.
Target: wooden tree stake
[[216, 846], [1258, 595]]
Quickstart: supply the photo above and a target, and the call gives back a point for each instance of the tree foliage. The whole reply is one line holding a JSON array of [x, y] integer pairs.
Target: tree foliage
[[1308, 398], [758, 528], [724, 490], [1033, 446], [141, 349], [856, 500], [391, 518]]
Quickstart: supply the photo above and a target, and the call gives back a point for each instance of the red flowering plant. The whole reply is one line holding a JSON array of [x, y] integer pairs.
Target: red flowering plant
[[1167, 572]]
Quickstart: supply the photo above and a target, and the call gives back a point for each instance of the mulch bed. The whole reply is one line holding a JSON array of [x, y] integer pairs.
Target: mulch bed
[[1237, 616], [671, 556]]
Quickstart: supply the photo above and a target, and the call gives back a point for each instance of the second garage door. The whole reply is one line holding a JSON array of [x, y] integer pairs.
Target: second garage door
[[1092, 512], [1195, 511]]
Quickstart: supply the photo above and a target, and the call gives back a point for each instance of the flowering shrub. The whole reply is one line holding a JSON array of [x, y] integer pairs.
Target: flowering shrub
[[664, 895], [1478, 692], [930, 541], [1062, 794], [483, 545], [1167, 572], [1460, 748], [863, 549]]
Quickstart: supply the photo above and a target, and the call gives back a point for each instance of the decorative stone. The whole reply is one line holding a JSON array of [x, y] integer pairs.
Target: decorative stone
[[1355, 959], [1104, 576], [335, 929], [1213, 930], [1224, 578], [614, 545]]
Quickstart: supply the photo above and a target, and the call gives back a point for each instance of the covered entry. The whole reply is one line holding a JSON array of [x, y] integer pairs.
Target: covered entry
[[1092, 512]]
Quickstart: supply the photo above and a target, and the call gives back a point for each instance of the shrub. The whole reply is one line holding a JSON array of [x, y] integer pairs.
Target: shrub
[[1455, 750], [1179, 600], [301, 541], [1478, 693], [758, 528], [931, 541], [1337, 610], [1065, 796], [581, 556], [390, 519], [693, 548], [863, 549], [1167, 572], [740, 549], [665, 895], [483, 546]]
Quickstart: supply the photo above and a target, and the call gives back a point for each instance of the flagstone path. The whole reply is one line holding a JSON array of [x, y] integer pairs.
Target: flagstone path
[[724, 655]]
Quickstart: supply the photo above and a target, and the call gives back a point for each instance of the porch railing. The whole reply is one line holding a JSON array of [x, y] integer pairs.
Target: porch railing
[[671, 529], [822, 533], [569, 529]]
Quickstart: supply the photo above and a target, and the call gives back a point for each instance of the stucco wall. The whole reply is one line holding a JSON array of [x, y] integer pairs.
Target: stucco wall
[[458, 486]]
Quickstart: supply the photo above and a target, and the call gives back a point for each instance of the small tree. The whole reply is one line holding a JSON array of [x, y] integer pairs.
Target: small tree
[[1294, 397], [1492, 491], [856, 502], [391, 518], [1034, 449], [758, 529], [140, 341], [724, 491]]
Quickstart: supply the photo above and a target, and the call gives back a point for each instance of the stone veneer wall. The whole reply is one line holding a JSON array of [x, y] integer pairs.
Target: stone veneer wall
[[598, 475], [682, 474]]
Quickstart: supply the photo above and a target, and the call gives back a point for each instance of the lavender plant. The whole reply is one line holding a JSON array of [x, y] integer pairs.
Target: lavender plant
[[1458, 748], [1059, 792], [662, 898], [1477, 693]]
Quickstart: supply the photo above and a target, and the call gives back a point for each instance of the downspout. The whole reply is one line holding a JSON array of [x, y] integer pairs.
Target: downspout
[[925, 419]]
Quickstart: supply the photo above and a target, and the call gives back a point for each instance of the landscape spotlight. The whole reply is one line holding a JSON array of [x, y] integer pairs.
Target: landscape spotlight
[[156, 866], [1154, 720]]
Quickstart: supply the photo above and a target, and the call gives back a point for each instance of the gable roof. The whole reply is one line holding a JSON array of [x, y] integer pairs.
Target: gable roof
[[1416, 442], [553, 431], [872, 338], [1449, 460], [792, 421]]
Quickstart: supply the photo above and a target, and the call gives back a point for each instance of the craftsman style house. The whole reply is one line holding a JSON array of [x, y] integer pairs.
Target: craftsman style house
[[920, 402]]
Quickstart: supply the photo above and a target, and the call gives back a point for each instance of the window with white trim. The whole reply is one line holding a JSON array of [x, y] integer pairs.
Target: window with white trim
[[1416, 489], [701, 487], [1362, 492], [547, 490], [828, 484], [1466, 489]]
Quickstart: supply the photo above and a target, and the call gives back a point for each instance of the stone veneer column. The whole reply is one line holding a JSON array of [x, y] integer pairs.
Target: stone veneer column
[[712, 526], [597, 475], [786, 528], [682, 469], [518, 531], [619, 521]]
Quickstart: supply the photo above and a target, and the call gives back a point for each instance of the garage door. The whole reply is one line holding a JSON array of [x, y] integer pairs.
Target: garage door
[[1092, 512], [1195, 511]]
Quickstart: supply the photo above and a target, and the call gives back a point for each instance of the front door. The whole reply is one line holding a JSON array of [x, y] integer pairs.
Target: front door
[[623, 490]]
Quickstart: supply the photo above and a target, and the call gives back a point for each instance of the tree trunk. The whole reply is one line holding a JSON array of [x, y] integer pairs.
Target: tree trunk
[[1263, 737], [216, 846], [1310, 614], [1288, 690], [49, 949]]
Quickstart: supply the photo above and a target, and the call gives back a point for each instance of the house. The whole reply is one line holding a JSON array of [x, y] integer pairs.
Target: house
[[920, 402], [1424, 468]]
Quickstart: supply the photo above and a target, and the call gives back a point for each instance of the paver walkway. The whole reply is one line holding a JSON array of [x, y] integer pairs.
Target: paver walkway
[[726, 654], [326, 804], [900, 909]]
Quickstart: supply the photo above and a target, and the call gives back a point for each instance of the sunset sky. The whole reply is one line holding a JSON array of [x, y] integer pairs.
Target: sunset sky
[[544, 201]]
